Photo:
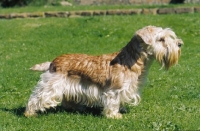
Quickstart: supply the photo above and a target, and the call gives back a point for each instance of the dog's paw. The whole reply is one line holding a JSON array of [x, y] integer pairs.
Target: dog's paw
[[114, 116], [30, 114]]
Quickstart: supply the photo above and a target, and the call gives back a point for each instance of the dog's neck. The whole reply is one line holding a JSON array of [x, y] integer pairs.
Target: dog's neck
[[130, 54], [135, 57]]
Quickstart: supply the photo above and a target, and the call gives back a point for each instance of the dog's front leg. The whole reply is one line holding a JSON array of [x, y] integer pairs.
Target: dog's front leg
[[111, 101]]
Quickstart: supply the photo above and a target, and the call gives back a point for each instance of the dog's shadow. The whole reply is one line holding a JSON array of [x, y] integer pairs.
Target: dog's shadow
[[88, 111], [16, 111]]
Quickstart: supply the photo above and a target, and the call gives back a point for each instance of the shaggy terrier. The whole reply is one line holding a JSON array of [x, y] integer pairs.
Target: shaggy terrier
[[107, 81]]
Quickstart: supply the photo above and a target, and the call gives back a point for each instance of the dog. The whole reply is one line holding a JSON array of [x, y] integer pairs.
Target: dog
[[106, 81]]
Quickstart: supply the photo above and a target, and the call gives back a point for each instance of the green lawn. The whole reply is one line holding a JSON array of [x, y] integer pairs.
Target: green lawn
[[47, 8], [170, 99]]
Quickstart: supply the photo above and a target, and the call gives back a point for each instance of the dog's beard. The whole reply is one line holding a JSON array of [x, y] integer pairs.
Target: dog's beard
[[171, 58], [167, 56]]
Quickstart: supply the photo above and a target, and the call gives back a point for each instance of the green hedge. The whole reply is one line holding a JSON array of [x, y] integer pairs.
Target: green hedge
[[12, 3], [177, 1]]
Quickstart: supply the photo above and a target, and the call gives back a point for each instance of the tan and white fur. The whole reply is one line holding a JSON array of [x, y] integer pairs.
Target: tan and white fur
[[107, 81]]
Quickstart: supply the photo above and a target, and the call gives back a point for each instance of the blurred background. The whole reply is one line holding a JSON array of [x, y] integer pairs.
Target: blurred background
[[12, 3]]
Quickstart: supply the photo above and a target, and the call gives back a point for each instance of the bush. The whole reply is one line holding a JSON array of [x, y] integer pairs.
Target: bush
[[177, 1], [12, 3]]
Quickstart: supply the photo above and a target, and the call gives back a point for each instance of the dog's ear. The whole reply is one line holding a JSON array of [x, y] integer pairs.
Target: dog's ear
[[147, 34]]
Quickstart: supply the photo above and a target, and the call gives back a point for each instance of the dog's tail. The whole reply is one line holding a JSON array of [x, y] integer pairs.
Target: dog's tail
[[41, 67]]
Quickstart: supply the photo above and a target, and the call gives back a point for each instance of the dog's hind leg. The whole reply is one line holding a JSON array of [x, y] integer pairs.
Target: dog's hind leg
[[112, 105], [48, 93]]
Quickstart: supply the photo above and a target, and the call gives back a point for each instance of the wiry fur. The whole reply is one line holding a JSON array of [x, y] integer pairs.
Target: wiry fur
[[106, 81]]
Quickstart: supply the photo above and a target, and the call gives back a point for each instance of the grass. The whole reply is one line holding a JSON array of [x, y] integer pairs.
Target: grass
[[170, 99], [32, 8]]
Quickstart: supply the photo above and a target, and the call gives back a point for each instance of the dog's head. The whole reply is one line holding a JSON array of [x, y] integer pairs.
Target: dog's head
[[163, 44]]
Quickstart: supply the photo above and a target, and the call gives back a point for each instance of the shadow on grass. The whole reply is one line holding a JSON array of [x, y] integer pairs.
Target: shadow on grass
[[88, 111], [17, 111]]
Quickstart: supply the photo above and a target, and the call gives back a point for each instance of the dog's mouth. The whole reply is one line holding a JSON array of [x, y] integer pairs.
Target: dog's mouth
[[165, 63], [166, 59]]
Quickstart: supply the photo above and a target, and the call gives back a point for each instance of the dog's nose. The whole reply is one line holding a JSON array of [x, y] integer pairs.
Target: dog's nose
[[179, 45]]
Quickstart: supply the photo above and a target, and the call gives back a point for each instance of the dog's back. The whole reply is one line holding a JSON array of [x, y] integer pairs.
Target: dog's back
[[86, 67]]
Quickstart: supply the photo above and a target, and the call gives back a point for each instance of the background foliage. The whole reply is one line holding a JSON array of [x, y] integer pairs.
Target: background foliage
[[11, 3]]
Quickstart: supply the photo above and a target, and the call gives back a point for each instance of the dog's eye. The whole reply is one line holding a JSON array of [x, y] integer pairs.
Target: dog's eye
[[162, 39], [179, 45]]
